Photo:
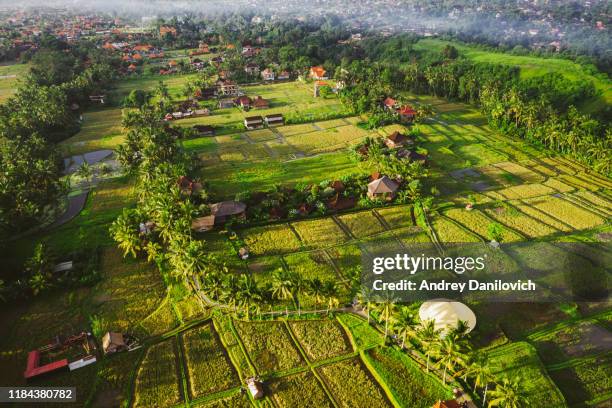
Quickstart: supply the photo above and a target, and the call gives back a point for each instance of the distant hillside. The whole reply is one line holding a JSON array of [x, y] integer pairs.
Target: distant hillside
[[533, 66]]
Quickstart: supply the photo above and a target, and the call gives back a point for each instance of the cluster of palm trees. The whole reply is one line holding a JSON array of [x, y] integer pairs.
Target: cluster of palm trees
[[570, 132], [448, 351], [243, 294]]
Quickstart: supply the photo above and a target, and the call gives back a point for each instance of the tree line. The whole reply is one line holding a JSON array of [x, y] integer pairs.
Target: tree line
[[43, 111]]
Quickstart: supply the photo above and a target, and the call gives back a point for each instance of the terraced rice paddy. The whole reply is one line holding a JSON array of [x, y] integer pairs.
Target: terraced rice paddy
[[321, 339], [157, 383]]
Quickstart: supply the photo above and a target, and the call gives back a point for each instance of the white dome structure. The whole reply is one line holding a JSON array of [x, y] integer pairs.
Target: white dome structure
[[446, 314]]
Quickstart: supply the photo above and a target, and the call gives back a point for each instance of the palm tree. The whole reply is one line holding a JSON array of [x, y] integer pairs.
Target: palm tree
[[481, 375], [364, 299], [429, 336], [509, 393], [282, 285], [125, 234], [315, 289], [386, 309], [247, 293], [85, 171], [330, 289], [450, 354], [405, 324]]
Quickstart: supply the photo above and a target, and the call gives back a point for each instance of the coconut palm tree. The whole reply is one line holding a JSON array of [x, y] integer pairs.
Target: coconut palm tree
[[315, 288], [282, 285], [247, 293], [405, 324], [125, 233], [365, 300], [330, 290], [386, 308], [450, 354], [509, 393], [429, 336], [481, 375]]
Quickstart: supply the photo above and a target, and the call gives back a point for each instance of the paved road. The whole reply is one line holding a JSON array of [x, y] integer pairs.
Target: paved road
[[75, 205]]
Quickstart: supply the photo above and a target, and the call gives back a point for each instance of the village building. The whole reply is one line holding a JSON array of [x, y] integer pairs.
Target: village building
[[203, 224], [283, 75], [390, 103], [275, 119], [226, 103], [411, 155], [318, 73], [243, 101], [253, 122], [255, 388], [167, 30], [225, 209], [382, 188], [267, 74], [113, 342], [188, 186], [204, 130], [260, 103], [406, 114], [397, 139], [251, 69], [227, 87]]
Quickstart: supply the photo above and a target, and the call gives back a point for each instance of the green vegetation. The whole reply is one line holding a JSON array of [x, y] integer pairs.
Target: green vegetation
[[157, 383], [320, 339]]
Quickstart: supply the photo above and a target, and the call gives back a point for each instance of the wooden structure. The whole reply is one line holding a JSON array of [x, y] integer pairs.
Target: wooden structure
[[383, 187], [397, 139], [318, 73], [253, 122], [275, 119], [113, 342]]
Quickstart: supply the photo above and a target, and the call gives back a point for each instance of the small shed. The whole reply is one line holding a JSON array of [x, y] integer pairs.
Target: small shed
[[113, 342], [204, 130], [275, 119], [253, 122], [243, 253], [203, 224], [255, 387], [397, 139], [225, 209], [260, 103], [383, 187]]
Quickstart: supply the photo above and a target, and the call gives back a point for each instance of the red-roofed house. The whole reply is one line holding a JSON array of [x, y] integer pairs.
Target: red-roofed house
[[318, 73], [390, 103], [406, 113], [33, 369]]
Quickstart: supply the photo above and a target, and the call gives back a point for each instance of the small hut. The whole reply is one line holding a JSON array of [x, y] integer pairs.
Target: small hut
[[113, 342], [255, 387], [203, 224], [383, 187], [243, 253]]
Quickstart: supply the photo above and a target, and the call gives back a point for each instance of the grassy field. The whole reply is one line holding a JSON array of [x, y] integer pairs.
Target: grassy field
[[100, 129], [10, 74]]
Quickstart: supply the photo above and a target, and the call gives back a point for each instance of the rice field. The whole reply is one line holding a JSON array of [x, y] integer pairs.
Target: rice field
[[208, 366], [571, 214], [311, 265], [396, 216], [515, 219], [269, 346], [319, 233], [272, 239], [521, 172], [321, 339], [301, 390], [327, 140], [479, 223], [157, 383], [525, 191], [362, 224], [449, 232], [352, 385]]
